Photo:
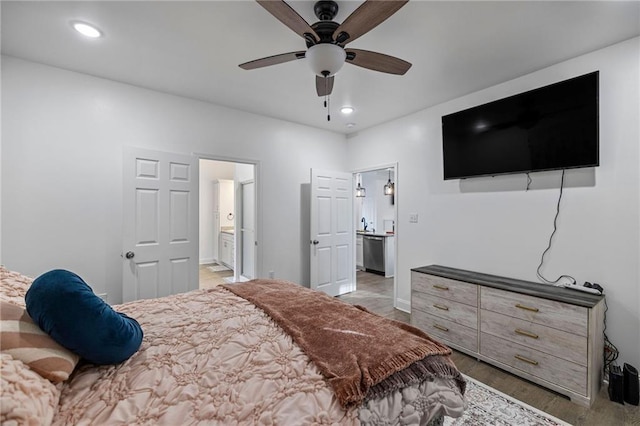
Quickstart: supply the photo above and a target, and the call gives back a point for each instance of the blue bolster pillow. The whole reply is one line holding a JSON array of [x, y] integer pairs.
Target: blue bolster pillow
[[68, 310]]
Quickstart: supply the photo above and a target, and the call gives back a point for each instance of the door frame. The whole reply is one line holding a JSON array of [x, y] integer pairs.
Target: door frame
[[257, 177], [394, 166], [240, 207]]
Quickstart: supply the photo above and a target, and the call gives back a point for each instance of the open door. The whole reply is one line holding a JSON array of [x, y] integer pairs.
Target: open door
[[332, 233], [160, 224]]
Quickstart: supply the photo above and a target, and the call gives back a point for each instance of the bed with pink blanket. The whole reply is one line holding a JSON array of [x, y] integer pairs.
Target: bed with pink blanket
[[215, 357]]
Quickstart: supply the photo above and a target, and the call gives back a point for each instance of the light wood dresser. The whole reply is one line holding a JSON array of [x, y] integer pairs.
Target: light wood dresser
[[549, 335]]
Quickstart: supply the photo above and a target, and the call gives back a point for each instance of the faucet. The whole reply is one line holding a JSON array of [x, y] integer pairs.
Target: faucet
[[363, 220]]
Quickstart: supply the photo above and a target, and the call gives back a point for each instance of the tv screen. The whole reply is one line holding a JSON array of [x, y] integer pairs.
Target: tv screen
[[553, 127]]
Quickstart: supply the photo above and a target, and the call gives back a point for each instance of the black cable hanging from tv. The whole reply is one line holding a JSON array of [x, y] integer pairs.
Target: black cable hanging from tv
[[555, 228]]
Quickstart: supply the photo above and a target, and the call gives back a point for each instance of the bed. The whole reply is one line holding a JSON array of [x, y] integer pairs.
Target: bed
[[214, 357]]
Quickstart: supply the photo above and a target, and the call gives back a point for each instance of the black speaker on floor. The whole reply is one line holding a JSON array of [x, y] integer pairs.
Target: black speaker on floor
[[630, 385], [616, 384]]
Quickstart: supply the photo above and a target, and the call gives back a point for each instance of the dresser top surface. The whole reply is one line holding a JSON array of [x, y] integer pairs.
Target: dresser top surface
[[530, 288]]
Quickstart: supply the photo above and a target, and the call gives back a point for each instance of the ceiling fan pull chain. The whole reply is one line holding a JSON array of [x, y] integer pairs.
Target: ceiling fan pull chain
[[326, 91], [327, 97]]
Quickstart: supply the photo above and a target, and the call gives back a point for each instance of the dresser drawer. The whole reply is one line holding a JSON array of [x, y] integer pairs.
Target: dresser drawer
[[558, 315], [456, 312], [443, 287], [539, 337], [555, 370], [445, 330]]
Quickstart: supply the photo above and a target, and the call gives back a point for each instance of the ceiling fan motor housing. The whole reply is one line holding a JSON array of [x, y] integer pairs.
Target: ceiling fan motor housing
[[325, 11]]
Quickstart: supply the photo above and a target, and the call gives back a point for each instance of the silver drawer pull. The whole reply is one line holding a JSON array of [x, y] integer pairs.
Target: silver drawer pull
[[440, 327], [444, 308], [526, 308], [527, 360], [526, 333], [440, 287]]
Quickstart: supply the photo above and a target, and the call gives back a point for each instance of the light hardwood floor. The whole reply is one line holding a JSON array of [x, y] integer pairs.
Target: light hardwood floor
[[209, 279], [376, 294]]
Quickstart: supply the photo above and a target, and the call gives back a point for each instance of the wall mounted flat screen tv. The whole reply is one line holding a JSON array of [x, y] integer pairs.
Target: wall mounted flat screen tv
[[549, 128]]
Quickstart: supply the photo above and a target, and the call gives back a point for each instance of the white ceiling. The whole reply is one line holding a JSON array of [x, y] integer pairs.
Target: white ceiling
[[193, 49]]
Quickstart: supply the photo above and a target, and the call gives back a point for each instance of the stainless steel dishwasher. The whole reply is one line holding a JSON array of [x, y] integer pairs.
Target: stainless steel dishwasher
[[373, 251]]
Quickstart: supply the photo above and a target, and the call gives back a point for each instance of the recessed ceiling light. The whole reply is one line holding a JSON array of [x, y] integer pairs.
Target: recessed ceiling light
[[86, 29], [346, 110]]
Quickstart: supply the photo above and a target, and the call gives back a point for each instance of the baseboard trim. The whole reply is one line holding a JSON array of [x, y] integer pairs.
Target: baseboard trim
[[207, 261], [403, 305]]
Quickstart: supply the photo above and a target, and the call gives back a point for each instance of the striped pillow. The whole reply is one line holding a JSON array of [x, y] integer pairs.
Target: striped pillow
[[21, 338]]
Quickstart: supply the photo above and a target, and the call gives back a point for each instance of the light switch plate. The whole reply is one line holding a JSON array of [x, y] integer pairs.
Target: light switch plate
[[413, 217]]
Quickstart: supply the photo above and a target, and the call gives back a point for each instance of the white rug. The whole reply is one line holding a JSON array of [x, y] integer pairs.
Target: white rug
[[488, 406], [218, 268]]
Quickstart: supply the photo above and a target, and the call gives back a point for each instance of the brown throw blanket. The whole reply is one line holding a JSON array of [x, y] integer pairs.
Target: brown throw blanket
[[361, 354]]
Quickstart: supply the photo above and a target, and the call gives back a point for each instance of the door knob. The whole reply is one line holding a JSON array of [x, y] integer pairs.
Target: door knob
[[315, 242], [129, 255]]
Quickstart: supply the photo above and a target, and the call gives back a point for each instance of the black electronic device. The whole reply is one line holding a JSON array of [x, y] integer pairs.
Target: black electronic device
[[616, 384], [586, 288], [631, 384], [549, 128], [594, 286]]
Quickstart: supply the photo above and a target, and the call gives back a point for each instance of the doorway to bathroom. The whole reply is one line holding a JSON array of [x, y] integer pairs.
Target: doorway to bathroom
[[227, 218]]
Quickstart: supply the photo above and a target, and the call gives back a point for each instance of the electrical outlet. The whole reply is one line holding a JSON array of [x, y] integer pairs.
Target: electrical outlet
[[413, 217], [271, 274]]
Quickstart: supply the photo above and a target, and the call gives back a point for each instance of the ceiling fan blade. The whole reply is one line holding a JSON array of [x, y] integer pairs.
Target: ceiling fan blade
[[285, 14], [377, 61], [367, 16], [324, 85], [272, 60]]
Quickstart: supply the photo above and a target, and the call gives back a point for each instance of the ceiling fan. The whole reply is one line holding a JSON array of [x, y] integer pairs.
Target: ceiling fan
[[326, 39]]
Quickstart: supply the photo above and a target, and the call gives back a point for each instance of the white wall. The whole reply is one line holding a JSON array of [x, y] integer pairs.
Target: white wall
[[244, 172], [492, 225], [384, 209], [63, 135], [369, 205]]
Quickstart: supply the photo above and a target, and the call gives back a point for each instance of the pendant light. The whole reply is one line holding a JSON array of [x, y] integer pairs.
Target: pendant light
[[360, 191], [389, 187]]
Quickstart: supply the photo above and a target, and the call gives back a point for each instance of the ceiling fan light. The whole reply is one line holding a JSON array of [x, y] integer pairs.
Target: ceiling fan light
[[325, 59]]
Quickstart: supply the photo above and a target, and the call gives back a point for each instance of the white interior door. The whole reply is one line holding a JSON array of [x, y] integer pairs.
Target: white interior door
[[247, 230], [160, 224], [332, 233]]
